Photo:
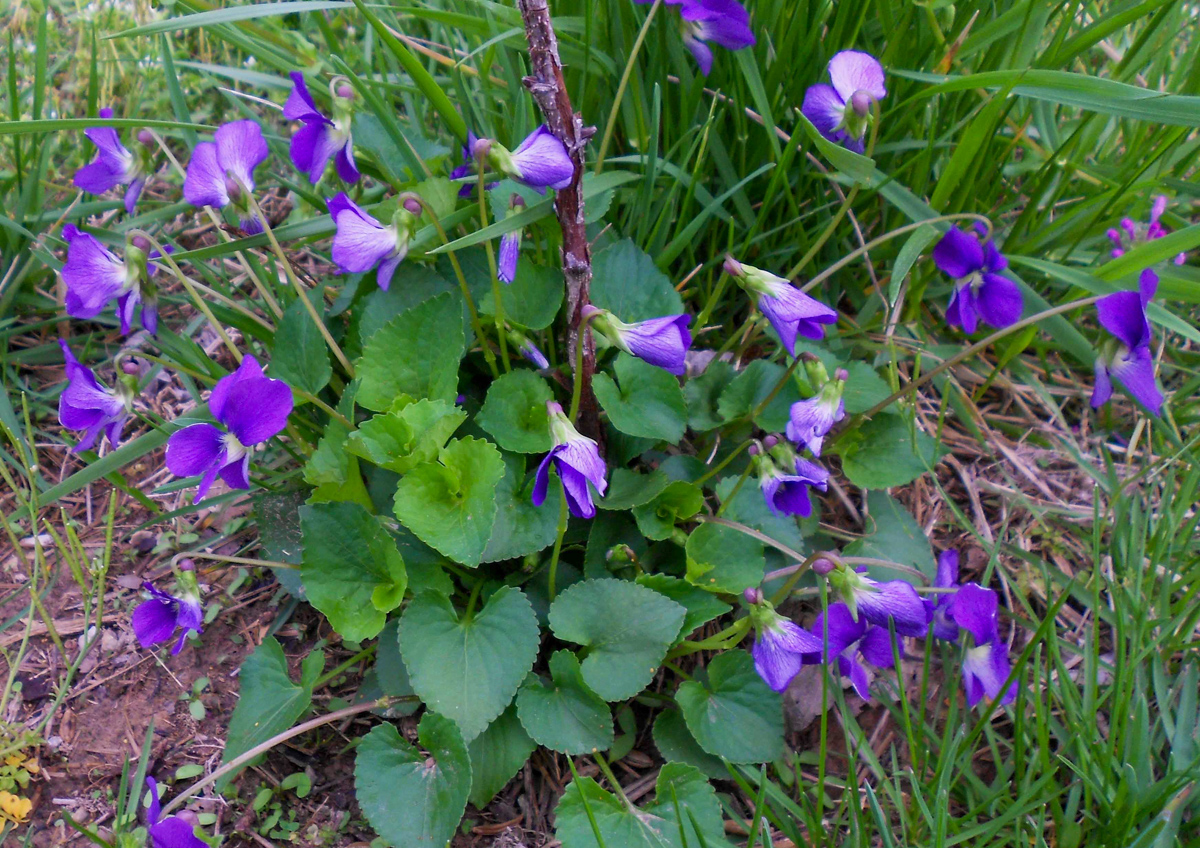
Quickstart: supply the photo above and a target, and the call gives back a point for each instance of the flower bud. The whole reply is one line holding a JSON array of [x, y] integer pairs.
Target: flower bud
[[753, 595], [860, 101], [141, 243], [841, 374], [823, 566], [232, 188], [345, 91], [186, 564], [732, 267], [770, 441], [130, 366], [619, 556], [481, 148], [753, 449], [412, 205], [146, 137]]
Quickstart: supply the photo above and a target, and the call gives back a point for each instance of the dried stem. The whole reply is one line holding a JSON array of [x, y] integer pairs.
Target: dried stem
[[549, 89]]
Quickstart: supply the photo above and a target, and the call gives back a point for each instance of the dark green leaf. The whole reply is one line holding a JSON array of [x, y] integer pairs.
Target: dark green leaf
[[647, 403], [514, 412], [565, 716], [735, 715]]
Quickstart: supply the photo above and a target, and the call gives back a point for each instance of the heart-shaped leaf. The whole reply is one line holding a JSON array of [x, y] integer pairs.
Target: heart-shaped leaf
[[722, 559], [400, 439], [469, 668], [416, 353], [408, 797], [627, 627], [736, 715], [514, 412], [645, 401], [565, 716], [496, 755], [520, 527], [352, 571], [450, 504]]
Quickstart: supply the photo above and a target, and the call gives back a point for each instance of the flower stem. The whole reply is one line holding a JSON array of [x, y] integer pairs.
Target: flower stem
[[629, 63], [462, 284], [558, 540], [577, 384], [498, 315], [297, 285], [791, 369], [708, 475], [737, 487], [195, 295]]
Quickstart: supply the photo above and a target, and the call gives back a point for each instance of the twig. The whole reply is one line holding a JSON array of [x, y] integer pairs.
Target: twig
[[549, 89]]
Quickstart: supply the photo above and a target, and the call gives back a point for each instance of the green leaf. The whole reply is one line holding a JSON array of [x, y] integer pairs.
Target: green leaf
[[514, 412], [750, 388], [881, 453], [566, 716], [701, 606], [403, 357], [300, 357], [627, 627], [230, 15], [857, 167], [735, 715], [678, 502], [626, 282], [703, 394], [677, 745], [521, 528], [628, 488], [893, 535], [469, 668], [450, 503], [496, 755], [683, 802], [399, 440], [409, 796], [910, 251], [352, 571], [532, 299], [648, 403], [391, 675], [411, 286], [268, 701], [721, 559], [280, 537]]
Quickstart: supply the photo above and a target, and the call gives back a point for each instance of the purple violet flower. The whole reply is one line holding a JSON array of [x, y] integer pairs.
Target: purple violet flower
[[1135, 234], [850, 642], [811, 420], [1126, 353], [321, 137], [362, 243], [114, 165], [660, 341], [723, 22], [980, 291], [530, 351], [252, 408], [941, 622], [780, 646], [787, 494], [790, 311], [221, 169], [510, 243], [94, 276], [87, 404], [842, 112], [158, 617], [577, 460], [178, 831], [465, 170], [540, 162], [877, 602]]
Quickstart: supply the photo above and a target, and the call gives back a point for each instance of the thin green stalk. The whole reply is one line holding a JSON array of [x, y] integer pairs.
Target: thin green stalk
[[787, 375], [233, 560], [298, 286], [577, 384], [708, 475], [558, 540], [616, 107], [973, 349], [501, 336], [825, 234], [737, 487], [165, 256], [340, 668], [462, 284]]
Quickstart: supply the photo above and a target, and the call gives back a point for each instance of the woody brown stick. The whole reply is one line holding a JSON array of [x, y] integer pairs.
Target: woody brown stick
[[548, 88]]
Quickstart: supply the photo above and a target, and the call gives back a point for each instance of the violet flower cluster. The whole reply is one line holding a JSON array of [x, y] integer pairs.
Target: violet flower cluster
[[854, 633]]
